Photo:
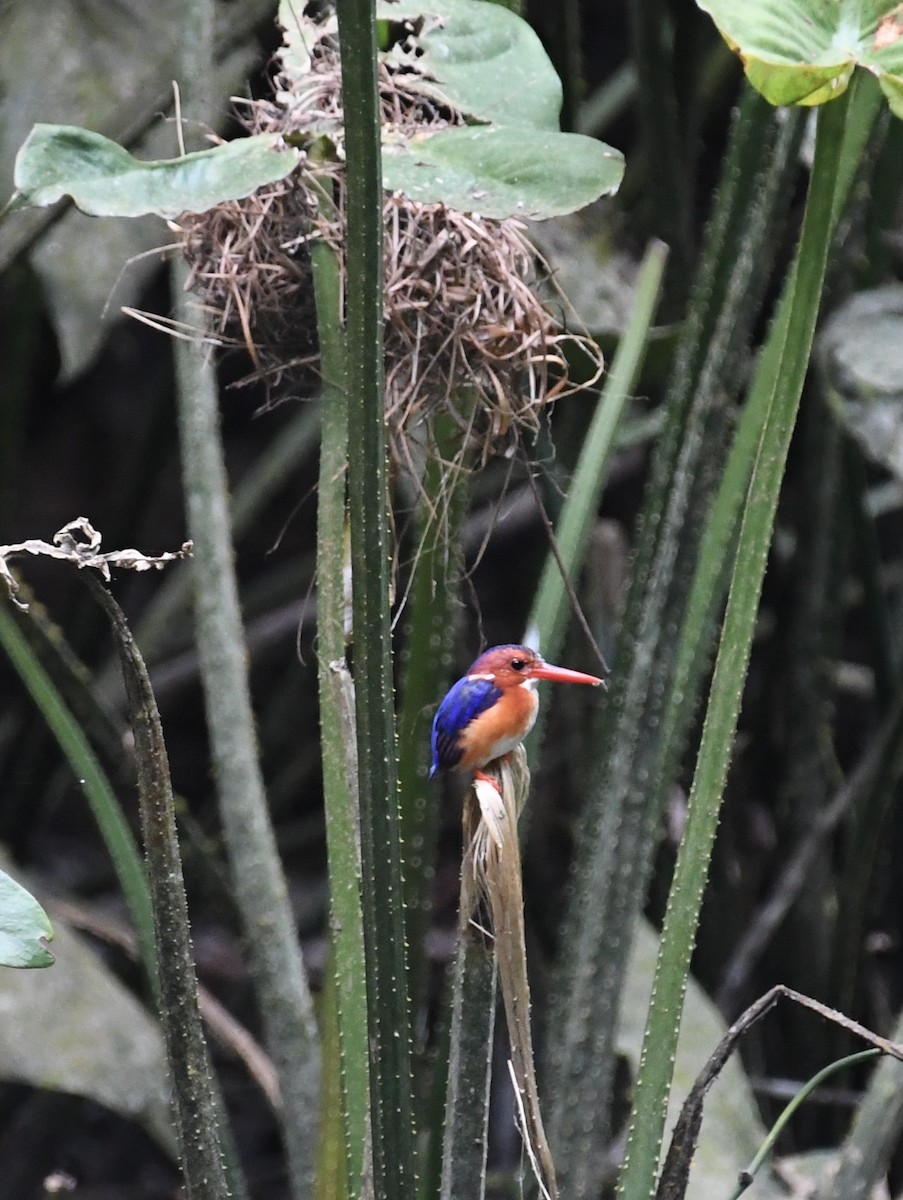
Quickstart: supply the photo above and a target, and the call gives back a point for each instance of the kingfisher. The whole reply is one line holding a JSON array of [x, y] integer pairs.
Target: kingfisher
[[493, 707]]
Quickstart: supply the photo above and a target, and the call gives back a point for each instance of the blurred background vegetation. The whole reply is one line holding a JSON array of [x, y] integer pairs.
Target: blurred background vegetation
[[804, 887]]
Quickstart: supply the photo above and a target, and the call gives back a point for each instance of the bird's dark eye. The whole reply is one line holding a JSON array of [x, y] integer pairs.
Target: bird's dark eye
[[518, 664]]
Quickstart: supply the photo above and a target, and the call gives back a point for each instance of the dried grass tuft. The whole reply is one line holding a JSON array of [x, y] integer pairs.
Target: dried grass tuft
[[465, 333]]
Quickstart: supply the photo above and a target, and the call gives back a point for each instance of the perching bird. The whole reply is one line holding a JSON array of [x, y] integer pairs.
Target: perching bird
[[493, 708]]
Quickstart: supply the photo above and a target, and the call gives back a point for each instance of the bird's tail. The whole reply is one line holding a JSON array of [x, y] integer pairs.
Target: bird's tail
[[495, 855]]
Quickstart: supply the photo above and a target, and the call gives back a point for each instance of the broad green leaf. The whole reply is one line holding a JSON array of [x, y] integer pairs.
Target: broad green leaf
[[92, 269], [486, 62], [481, 58], [112, 73], [804, 51], [503, 172], [106, 181], [113, 76], [861, 350], [23, 925], [478, 57]]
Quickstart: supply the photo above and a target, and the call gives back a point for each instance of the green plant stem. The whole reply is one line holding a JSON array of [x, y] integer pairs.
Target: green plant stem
[[332, 1174], [394, 1174], [718, 546], [194, 1088], [105, 807], [281, 986], [851, 1060], [337, 727], [260, 888], [464, 1140], [790, 357]]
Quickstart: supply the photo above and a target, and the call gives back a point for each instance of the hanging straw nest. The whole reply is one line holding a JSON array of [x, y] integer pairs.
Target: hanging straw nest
[[465, 333]]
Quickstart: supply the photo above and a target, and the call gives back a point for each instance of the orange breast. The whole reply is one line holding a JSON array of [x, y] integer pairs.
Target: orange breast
[[498, 729]]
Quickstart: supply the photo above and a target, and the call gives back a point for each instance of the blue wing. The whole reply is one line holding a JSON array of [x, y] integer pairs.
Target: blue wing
[[466, 700]]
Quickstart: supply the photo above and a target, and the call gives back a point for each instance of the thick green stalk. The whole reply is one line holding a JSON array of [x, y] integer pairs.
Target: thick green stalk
[[394, 1176], [105, 807], [337, 730], [795, 341], [464, 1136], [332, 1141], [260, 888]]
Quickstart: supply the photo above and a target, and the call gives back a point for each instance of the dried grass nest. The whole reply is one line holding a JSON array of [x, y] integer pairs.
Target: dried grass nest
[[465, 333]]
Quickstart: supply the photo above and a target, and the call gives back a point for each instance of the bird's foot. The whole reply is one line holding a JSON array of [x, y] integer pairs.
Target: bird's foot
[[492, 780]]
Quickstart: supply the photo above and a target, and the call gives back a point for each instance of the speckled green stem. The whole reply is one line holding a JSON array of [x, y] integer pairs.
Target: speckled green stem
[[394, 1174], [194, 1094]]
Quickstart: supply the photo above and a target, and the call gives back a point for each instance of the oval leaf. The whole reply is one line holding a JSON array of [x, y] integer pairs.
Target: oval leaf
[[23, 927], [804, 52], [105, 181], [485, 60], [503, 172]]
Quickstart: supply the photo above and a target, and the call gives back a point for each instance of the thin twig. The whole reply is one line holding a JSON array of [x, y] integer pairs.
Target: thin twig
[[676, 1170]]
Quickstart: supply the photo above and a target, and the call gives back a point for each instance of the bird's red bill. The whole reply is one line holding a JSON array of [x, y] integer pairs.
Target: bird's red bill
[[563, 675]]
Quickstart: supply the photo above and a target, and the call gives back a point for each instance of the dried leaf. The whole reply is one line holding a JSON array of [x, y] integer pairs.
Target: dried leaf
[[79, 542]]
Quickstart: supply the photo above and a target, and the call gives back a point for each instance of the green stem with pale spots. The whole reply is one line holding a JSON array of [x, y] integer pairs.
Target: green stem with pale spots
[[389, 1026]]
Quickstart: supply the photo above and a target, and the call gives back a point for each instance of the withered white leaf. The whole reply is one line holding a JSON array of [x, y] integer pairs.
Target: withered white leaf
[[78, 542]]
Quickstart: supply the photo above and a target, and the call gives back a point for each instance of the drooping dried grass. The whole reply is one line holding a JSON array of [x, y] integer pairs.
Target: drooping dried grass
[[464, 331]]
